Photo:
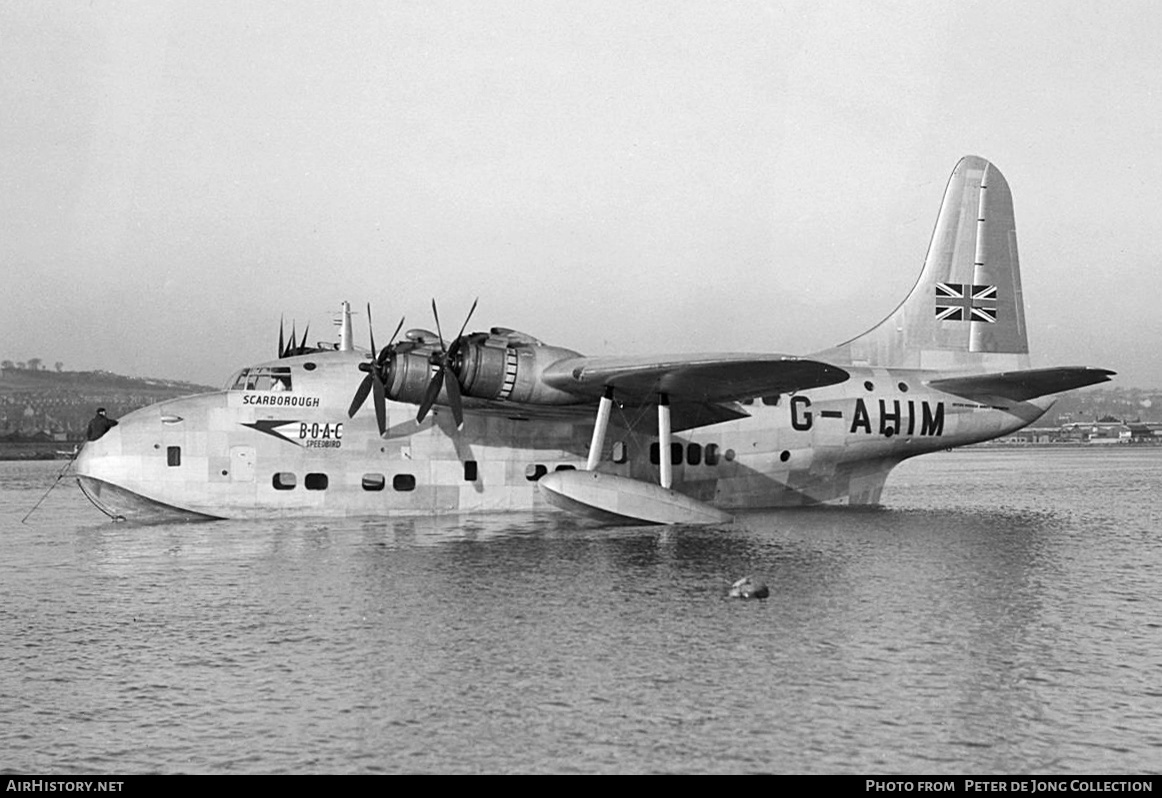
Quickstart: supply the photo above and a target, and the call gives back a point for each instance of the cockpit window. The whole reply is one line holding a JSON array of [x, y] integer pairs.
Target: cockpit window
[[263, 378]]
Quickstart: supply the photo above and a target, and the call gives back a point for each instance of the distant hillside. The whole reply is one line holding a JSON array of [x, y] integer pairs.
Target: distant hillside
[[1091, 404], [59, 404]]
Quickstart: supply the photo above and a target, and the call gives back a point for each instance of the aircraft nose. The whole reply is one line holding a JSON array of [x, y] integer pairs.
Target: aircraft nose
[[98, 467], [95, 457]]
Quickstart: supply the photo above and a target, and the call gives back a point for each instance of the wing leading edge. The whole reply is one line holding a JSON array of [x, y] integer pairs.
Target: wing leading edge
[[702, 389], [691, 378]]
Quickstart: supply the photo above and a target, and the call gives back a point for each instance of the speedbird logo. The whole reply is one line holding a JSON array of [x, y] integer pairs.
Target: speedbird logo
[[307, 434]]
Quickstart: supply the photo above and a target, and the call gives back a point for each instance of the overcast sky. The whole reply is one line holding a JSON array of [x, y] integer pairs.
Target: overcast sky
[[622, 177]]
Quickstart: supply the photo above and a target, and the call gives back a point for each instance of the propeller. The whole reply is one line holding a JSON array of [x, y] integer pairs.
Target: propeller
[[374, 382], [444, 372], [294, 347]]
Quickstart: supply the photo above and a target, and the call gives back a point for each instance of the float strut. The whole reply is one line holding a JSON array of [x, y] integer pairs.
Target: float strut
[[667, 466], [598, 441]]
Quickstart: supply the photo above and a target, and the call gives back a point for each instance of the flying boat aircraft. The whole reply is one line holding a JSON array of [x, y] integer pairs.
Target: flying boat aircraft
[[498, 420]]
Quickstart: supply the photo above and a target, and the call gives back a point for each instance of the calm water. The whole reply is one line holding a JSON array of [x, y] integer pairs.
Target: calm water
[[1001, 614]]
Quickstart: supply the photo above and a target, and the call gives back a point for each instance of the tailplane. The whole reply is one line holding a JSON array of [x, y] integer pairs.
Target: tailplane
[[966, 312]]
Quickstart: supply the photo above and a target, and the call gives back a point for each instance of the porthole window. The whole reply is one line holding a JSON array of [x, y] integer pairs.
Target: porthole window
[[315, 482], [619, 452], [785, 456], [403, 482], [283, 480], [868, 385], [903, 386], [309, 366], [373, 482], [711, 454], [173, 456], [675, 453], [535, 471], [694, 454], [729, 455]]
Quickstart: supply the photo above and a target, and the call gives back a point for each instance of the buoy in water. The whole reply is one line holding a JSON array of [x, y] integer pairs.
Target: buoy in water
[[747, 588]]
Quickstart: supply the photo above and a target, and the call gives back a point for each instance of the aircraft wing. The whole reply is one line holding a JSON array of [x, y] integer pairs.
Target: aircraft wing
[[700, 379], [1020, 386], [703, 389]]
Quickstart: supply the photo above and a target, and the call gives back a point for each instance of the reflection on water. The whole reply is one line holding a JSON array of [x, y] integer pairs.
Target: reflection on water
[[997, 615]]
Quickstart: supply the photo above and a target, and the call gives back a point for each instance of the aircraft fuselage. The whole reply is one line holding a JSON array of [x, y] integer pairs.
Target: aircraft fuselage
[[255, 451]]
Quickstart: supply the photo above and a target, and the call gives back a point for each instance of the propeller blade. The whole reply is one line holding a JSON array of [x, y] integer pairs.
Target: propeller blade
[[303, 340], [377, 395], [360, 396], [439, 332], [371, 330], [395, 334], [430, 394], [281, 344], [452, 383], [291, 346], [445, 374], [463, 326], [373, 383]]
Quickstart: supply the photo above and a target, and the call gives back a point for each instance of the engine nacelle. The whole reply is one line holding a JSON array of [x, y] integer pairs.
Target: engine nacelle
[[502, 365], [508, 366], [409, 375]]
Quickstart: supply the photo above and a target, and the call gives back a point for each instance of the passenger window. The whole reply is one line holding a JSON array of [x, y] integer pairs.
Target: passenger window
[[711, 454], [694, 454], [284, 480], [373, 482], [315, 482], [619, 453], [675, 453], [403, 482], [535, 472], [470, 471], [771, 401], [565, 467], [173, 456]]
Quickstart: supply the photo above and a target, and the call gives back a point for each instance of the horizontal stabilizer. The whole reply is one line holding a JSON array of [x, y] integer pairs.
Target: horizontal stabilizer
[[1020, 386]]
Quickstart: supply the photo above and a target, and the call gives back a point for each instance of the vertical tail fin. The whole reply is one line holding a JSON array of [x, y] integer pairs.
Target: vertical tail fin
[[966, 312]]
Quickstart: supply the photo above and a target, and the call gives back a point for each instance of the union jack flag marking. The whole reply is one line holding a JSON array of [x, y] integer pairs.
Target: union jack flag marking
[[959, 302]]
